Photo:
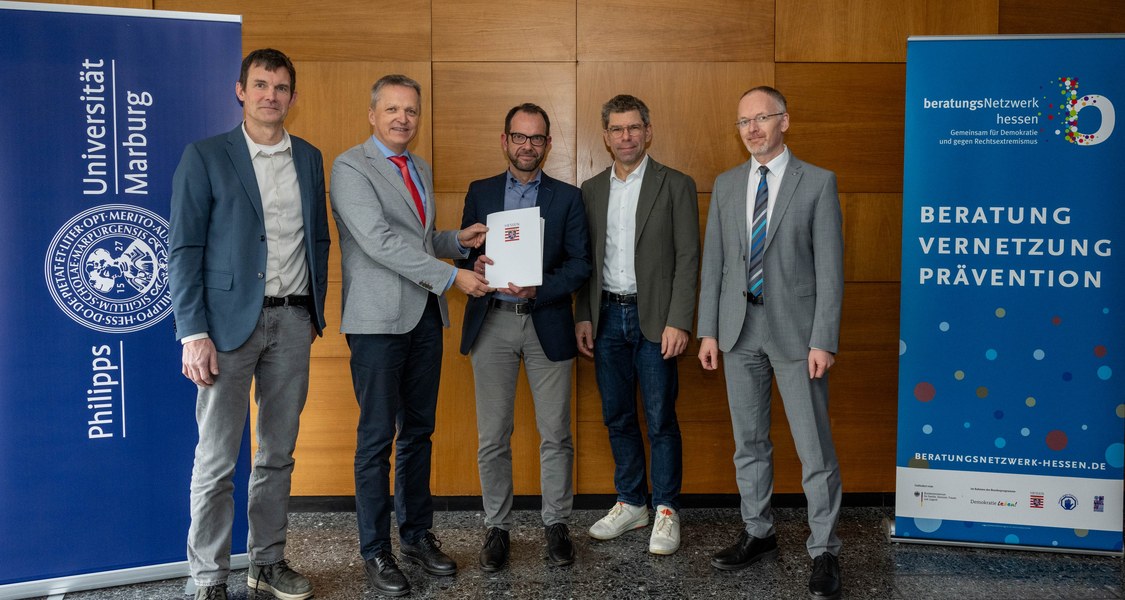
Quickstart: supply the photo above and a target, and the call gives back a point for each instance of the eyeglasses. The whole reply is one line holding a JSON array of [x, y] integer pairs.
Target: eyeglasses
[[618, 131], [760, 120], [519, 138]]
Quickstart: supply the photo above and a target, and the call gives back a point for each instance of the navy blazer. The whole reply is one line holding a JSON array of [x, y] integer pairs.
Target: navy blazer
[[566, 261], [217, 256]]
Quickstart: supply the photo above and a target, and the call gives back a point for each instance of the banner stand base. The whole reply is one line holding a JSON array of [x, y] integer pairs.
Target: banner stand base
[[58, 586], [889, 530]]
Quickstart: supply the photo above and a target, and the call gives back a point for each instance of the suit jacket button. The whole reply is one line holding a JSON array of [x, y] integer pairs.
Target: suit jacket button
[[261, 275], [262, 238]]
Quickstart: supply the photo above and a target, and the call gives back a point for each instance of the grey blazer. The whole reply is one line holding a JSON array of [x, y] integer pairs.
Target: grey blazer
[[803, 264], [388, 258], [666, 249]]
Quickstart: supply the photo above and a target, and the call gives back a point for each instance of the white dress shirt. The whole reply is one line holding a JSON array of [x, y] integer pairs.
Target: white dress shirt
[[619, 273], [773, 183]]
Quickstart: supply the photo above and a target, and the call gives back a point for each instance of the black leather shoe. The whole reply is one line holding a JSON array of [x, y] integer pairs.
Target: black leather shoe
[[745, 552], [824, 584], [427, 554], [494, 553], [383, 575], [560, 550]]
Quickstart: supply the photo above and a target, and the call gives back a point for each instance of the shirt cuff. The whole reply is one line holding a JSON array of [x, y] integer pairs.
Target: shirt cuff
[[452, 278], [195, 336]]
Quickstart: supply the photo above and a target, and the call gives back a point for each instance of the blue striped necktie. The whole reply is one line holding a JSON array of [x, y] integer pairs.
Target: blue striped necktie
[[758, 234]]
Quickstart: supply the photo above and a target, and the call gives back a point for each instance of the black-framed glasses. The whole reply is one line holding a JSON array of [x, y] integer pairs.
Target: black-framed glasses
[[760, 120], [618, 131], [519, 138]]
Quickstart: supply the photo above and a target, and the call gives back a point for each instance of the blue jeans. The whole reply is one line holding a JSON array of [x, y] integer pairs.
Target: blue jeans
[[622, 359]]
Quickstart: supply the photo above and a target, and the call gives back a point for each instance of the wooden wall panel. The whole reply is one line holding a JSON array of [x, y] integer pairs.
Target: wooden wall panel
[[1045, 16], [872, 236], [708, 451], [689, 60], [485, 30], [863, 427], [470, 102], [869, 320], [863, 390], [140, 4], [673, 30], [325, 452], [848, 118], [347, 30], [333, 99], [872, 30], [691, 134]]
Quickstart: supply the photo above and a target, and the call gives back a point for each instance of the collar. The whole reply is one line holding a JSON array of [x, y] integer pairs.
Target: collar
[[387, 152], [284, 145], [776, 166], [510, 180], [636, 174]]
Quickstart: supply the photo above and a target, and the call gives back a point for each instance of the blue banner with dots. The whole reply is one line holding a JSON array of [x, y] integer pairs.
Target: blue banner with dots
[[1011, 420]]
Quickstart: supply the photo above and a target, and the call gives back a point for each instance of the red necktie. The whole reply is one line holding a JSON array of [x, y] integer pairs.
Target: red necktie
[[400, 161]]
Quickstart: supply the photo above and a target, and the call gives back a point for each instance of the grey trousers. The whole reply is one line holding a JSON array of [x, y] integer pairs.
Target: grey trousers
[[750, 366], [504, 339], [276, 358]]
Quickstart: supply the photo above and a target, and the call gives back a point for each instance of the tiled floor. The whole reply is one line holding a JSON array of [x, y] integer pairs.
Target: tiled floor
[[323, 547]]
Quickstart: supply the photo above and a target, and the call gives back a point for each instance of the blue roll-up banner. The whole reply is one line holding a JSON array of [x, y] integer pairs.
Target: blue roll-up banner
[[98, 424], [1012, 350]]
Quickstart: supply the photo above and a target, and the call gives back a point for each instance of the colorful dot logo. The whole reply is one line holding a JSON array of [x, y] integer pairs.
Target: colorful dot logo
[[1071, 104]]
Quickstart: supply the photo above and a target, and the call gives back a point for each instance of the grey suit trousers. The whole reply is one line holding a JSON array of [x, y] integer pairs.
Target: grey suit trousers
[[504, 340], [750, 366], [276, 358]]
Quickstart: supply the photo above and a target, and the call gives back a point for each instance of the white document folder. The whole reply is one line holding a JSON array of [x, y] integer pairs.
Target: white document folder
[[514, 242]]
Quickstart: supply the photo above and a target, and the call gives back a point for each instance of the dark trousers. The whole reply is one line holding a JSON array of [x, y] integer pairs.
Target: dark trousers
[[396, 384]]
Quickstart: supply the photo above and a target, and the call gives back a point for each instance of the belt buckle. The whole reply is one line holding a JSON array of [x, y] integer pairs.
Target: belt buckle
[[523, 308]]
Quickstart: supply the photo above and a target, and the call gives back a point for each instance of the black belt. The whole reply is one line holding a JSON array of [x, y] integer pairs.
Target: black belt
[[752, 299], [293, 300], [619, 298], [520, 308]]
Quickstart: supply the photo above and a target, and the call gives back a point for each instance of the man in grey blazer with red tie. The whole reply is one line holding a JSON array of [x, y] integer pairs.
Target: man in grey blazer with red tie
[[248, 267], [394, 310], [770, 298]]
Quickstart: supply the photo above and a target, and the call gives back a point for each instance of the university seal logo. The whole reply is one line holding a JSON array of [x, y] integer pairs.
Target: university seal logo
[[107, 268]]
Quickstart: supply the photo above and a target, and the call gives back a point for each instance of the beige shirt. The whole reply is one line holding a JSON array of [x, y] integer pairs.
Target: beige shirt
[[287, 271]]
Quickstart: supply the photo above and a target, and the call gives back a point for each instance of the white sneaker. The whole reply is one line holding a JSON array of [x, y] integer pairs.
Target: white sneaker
[[665, 531], [621, 518]]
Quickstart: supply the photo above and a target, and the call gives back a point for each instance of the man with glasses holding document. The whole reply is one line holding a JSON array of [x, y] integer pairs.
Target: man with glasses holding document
[[529, 322]]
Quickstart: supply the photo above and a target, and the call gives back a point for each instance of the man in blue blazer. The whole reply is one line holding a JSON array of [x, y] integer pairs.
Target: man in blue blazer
[[770, 297], [532, 323], [248, 269]]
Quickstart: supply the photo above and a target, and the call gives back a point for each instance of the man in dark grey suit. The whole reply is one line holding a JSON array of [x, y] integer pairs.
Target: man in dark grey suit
[[394, 310], [770, 298], [248, 268], [532, 323], [639, 301]]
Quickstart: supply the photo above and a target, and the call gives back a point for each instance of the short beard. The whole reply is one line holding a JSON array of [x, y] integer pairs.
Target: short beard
[[514, 161]]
